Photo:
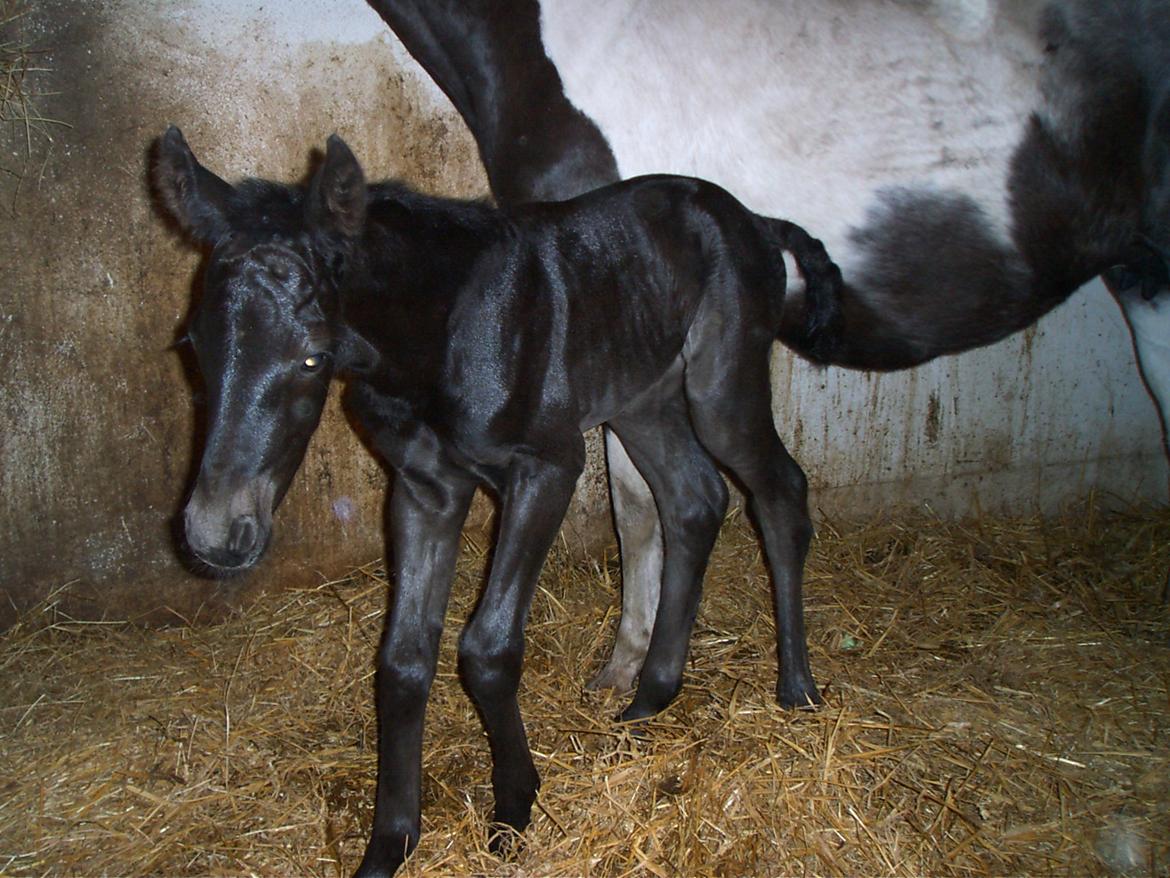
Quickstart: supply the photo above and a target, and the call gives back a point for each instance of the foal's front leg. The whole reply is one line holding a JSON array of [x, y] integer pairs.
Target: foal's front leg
[[426, 517], [491, 649]]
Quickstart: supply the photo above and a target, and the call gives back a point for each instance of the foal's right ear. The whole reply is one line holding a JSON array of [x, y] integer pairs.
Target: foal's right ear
[[194, 196]]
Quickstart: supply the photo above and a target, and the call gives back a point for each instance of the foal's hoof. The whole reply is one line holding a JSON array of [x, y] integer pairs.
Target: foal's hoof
[[655, 693], [512, 814], [798, 694], [504, 840], [636, 715], [635, 720], [380, 862]]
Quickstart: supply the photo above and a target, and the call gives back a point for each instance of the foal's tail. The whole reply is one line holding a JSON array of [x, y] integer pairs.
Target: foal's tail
[[813, 328]]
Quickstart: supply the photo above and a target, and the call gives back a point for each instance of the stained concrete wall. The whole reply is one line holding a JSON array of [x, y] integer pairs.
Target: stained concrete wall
[[98, 442], [1031, 424]]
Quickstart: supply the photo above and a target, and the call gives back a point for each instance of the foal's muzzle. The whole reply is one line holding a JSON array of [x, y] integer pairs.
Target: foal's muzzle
[[228, 534], [242, 549]]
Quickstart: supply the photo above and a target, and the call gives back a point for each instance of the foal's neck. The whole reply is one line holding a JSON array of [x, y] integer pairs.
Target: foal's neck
[[418, 252]]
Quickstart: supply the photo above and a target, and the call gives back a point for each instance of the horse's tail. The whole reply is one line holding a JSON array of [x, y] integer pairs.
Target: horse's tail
[[1088, 186], [817, 332], [930, 276]]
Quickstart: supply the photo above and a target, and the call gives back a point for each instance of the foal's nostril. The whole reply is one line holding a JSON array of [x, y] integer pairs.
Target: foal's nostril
[[242, 535]]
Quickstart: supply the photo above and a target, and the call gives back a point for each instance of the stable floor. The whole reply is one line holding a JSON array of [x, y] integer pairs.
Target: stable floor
[[996, 701]]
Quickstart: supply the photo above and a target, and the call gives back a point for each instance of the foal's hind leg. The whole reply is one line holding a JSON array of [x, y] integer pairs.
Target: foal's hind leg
[[691, 500], [730, 404]]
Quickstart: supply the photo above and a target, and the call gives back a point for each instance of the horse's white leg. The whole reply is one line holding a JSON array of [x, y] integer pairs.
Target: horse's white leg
[[640, 539], [1149, 321]]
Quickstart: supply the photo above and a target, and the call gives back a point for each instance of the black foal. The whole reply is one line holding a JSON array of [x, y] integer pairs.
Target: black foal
[[477, 345]]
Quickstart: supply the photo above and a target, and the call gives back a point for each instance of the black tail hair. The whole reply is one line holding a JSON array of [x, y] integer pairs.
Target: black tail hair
[[933, 278], [817, 332]]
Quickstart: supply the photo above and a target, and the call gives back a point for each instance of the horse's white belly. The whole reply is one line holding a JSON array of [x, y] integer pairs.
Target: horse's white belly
[[804, 110]]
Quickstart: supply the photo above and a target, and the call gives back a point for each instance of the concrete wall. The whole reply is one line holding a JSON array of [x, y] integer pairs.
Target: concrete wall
[[98, 440], [1028, 425]]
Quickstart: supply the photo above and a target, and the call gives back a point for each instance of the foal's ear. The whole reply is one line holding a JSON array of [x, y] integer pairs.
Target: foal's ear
[[337, 195], [194, 196]]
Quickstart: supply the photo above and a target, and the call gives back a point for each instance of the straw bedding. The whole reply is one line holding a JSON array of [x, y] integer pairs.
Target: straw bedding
[[996, 702]]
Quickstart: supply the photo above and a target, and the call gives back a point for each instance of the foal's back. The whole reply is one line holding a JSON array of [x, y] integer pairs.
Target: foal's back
[[589, 301]]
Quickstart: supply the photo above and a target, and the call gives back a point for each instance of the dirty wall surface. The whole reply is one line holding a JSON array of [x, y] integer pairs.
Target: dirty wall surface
[[98, 442], [98, 445]]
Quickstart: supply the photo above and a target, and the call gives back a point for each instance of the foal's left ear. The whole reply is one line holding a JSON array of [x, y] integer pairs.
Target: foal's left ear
[[337, 195]]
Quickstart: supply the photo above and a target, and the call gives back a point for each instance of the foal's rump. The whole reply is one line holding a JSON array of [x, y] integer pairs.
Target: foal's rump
[[712, 224]]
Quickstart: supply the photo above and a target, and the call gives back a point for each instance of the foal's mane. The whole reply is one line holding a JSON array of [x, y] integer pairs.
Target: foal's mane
[[279, 208], [392, 201]]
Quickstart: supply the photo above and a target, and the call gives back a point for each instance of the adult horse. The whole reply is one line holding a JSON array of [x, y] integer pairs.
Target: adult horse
[[969, 163]]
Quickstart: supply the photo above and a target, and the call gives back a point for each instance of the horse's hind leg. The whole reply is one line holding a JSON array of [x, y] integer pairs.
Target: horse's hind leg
[[640, 540], [1149, 321], [691, 500], [730, 405]]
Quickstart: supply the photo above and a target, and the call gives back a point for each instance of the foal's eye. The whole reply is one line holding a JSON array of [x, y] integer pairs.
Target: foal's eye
[[313, 363]]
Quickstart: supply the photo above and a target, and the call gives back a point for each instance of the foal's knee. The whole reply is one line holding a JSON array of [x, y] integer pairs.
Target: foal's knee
[[404, 677], [490, 668]]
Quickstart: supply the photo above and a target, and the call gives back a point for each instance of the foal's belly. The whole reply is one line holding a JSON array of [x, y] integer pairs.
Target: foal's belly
[[539, 402], [628, 385]]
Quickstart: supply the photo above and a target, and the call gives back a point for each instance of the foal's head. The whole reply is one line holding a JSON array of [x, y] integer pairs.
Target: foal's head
[[264, 333]]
